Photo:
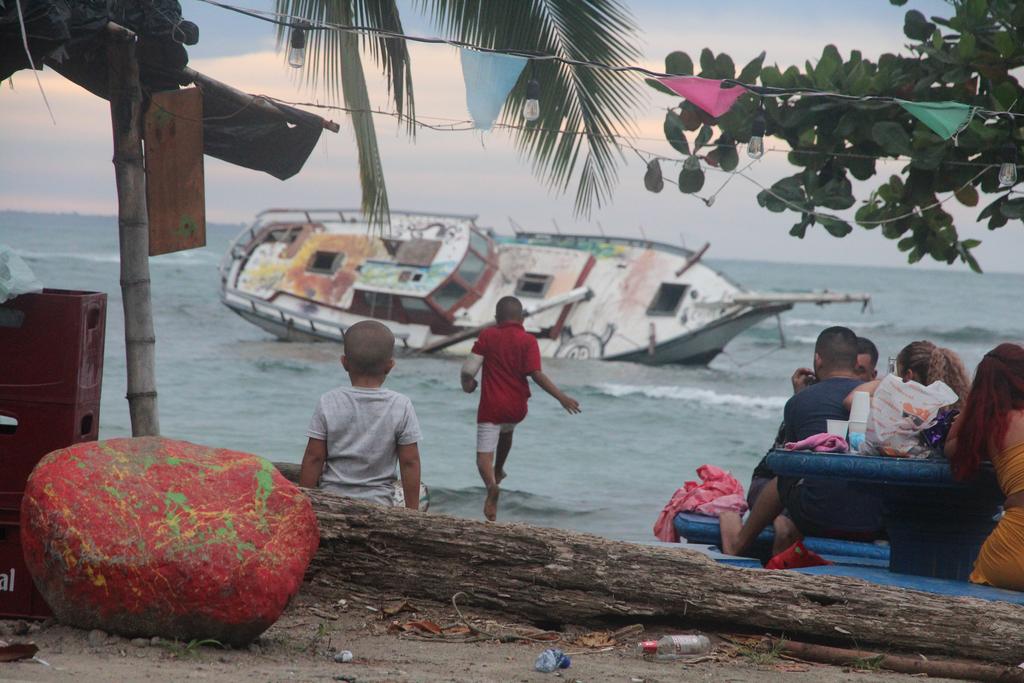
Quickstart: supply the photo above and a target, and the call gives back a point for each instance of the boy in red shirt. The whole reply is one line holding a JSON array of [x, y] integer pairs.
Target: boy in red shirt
[[508, 355]]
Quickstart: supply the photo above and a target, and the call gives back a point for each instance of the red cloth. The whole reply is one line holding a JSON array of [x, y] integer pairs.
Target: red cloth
[[820, 443], [796, 556], [718, 491], [510, 355]]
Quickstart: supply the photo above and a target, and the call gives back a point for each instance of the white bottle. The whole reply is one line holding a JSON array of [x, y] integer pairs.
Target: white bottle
[[675, 647]]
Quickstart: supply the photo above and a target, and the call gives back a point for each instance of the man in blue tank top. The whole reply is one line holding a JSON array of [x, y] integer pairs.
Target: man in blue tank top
[[814, 507]]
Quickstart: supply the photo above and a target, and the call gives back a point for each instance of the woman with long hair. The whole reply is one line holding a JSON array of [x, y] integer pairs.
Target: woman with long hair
[[924, 362], [991, 427]]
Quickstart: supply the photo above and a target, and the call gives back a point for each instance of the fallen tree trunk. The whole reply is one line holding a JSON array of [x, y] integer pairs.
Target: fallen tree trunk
[[551, 576], [962, 670]]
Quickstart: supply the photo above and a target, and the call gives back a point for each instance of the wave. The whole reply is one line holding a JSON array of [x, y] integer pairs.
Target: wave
[[76, 255], [970, 333], [183, 258], [822, 324], [514, 503], [706, 397]]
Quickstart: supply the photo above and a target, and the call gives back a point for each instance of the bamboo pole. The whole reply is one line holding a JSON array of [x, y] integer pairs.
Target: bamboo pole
[[133, 232]]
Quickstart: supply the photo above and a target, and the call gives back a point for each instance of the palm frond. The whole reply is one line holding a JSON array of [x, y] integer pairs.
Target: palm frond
[[334, 62], [371, 173], [324, 47], [591, 104]]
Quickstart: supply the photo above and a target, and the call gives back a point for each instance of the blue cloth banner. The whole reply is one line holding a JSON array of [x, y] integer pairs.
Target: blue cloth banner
[[489, 79]]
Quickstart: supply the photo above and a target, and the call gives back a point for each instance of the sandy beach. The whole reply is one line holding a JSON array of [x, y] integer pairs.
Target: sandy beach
[[301, 647]]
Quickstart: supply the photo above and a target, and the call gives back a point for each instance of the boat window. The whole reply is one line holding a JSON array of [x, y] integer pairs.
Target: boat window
[[472, 268], [449, 294], [533, 285], [325, 262], [380, 304], [479, 243], [413, 304], [666, 301]]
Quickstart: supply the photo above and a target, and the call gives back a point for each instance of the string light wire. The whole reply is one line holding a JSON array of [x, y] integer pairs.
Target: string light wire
[[759, 90]]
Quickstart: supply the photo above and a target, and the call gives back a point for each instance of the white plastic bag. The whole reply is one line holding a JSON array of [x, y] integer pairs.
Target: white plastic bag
[[899, 412], [16, 278]]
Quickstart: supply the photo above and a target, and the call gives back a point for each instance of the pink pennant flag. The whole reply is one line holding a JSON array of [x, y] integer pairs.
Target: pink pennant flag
[[706, 93]]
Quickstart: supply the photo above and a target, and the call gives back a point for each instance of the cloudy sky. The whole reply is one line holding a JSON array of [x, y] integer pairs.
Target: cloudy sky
[[66, 167]]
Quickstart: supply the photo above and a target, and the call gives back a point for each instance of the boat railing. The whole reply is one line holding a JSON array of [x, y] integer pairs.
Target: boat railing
[[316, 326], [556, 238]]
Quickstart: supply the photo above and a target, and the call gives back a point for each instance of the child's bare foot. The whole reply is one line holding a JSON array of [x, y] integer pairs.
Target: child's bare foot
[[491, 503], [499, 475], [730, 524]]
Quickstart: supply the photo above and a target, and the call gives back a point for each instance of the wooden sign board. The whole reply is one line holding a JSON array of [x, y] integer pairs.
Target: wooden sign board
[[174, 171]]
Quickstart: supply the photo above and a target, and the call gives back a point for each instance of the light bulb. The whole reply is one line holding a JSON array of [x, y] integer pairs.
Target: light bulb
[[531, 108], [755, 147], [1007, 175], [297, 53]]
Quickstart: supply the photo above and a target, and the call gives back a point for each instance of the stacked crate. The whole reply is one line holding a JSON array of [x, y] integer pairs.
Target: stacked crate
[[51, 373]]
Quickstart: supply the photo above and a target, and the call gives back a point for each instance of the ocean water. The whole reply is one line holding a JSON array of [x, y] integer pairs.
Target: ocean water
[[642, 433]]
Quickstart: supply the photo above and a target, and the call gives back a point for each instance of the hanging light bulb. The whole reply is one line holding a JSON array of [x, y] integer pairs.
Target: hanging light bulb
[[531, 108], [1008, 169], [755, 147], [297, 52]]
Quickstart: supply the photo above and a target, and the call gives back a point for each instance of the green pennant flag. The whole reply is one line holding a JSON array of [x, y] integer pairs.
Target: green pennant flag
[[945, 118]]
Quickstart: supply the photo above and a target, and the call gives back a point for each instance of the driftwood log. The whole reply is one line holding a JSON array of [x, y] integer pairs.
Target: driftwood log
[[556, 577]]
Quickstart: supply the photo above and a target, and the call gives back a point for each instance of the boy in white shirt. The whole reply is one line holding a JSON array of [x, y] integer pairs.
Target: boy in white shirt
[[358, 434]]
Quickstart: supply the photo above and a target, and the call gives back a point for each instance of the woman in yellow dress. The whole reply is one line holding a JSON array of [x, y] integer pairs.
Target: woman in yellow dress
[[991, 427]]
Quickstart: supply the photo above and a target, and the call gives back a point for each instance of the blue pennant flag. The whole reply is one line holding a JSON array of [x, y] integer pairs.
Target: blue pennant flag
[[489, 79]]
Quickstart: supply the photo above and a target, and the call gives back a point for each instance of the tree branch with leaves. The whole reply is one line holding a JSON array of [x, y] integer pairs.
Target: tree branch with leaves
[[968, 58]]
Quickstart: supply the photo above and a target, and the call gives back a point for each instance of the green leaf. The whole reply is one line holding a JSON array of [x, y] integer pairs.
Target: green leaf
[[691, 181], [679, 63], [724, 67], [906, 244], [728, 158], [970, 244], [800, 229], [653, 179], [1014, 208], [752, 70], [937, 41], [966, 47], [675, 132], [657, 85], [1006, 94], [834, 226], [707, 63], [703, 137], [892, 137], [898, 3], [916, 27], [967, 195], [929, 157], [827, 67], [1005, 43]]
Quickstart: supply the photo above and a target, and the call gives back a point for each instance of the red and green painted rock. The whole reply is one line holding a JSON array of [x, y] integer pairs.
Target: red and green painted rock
[[155, 537]]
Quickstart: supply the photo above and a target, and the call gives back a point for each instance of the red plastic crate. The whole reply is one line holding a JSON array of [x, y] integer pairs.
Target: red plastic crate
[[51, 346], [41, 428], [18, 595]]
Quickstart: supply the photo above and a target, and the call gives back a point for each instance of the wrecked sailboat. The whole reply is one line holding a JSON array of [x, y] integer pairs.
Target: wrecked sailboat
[[309, 274]]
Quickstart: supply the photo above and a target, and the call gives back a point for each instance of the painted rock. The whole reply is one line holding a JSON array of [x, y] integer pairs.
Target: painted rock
[[155, 537]]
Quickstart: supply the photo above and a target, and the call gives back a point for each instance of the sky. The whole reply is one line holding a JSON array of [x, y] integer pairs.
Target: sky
[[66, 167]]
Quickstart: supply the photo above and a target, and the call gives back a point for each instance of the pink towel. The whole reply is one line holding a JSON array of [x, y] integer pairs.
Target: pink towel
[[718, 491], [820, 443]]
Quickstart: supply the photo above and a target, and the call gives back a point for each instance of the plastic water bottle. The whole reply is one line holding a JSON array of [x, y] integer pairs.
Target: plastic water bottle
[[675, 647], [552, 659]]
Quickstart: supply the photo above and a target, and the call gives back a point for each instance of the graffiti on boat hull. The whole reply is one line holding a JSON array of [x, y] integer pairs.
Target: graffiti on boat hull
[[583, 346]]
